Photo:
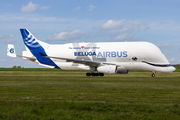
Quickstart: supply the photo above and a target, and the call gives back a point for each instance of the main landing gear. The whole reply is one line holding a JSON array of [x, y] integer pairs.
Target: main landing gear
[[153, 74], [94, 74]]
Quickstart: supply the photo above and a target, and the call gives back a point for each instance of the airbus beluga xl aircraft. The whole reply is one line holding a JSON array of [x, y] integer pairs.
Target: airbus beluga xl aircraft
[[103, 57]]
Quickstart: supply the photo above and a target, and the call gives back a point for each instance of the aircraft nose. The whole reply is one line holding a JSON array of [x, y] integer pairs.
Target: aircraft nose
[[171, 69]]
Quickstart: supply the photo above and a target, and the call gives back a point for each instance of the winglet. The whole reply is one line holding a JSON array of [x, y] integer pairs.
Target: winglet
[[11, 51]]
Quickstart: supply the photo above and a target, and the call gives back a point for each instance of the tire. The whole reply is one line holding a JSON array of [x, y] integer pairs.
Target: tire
[[88, 74], [153, 75], [93, 74], [97, 74], [101, 74]]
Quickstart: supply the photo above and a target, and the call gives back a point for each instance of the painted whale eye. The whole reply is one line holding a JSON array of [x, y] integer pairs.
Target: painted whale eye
[[134, 58]]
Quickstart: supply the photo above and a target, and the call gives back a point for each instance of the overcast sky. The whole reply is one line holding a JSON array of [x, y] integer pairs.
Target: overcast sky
[[66, 21]]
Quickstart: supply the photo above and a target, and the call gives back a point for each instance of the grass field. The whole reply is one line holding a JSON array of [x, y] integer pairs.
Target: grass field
[[59, 70], [73, 96]]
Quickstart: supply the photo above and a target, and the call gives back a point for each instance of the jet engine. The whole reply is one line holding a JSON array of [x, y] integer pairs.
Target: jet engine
[[107, 69], [112, 69], [122, 71]]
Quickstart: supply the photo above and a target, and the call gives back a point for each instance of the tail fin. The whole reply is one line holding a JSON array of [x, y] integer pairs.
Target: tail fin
[[29, 40], [33, 45], [11, 51]]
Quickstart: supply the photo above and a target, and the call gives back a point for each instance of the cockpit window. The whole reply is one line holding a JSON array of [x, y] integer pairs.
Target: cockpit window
[[134, 58]]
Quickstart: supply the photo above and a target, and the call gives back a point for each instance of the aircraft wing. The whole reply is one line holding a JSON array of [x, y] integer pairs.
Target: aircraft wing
[[85, 62], [80, 61]]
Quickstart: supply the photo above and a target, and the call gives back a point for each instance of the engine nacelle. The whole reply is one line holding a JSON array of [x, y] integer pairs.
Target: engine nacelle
[[122, 71], [112, 69]]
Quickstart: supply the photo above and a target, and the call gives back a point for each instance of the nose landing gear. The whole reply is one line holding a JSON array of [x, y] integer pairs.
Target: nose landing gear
[[153, 74]]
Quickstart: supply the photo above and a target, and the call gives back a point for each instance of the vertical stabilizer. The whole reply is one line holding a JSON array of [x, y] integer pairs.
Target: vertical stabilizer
[[29, 40], [36, 48]]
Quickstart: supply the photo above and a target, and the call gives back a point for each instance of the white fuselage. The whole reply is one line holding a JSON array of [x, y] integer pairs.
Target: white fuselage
[[103, 57], [126, 55]]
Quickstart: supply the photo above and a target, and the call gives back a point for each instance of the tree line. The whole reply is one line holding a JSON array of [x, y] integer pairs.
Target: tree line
[[17, 66]]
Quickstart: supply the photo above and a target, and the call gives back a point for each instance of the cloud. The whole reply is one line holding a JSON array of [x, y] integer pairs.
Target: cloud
[[28, 17], [124, 36], [3, 60], [171, 60], [67, 35], [91, 7], [45, 7], [11, 60], [164, 46], [166, 25], [109, 25], [97, 35], [29, 8], [17, 60], [124, 25], [8, 5], [7, 38], [77, 8], [123, 28]]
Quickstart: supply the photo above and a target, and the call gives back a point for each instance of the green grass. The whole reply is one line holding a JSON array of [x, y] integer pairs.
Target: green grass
[[72, 95], [55, 70]]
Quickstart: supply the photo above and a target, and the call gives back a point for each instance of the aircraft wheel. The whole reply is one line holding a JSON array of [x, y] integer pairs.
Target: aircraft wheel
[[153, 75], [97, 74], [101, 74], [88, 74], [93, 74]]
